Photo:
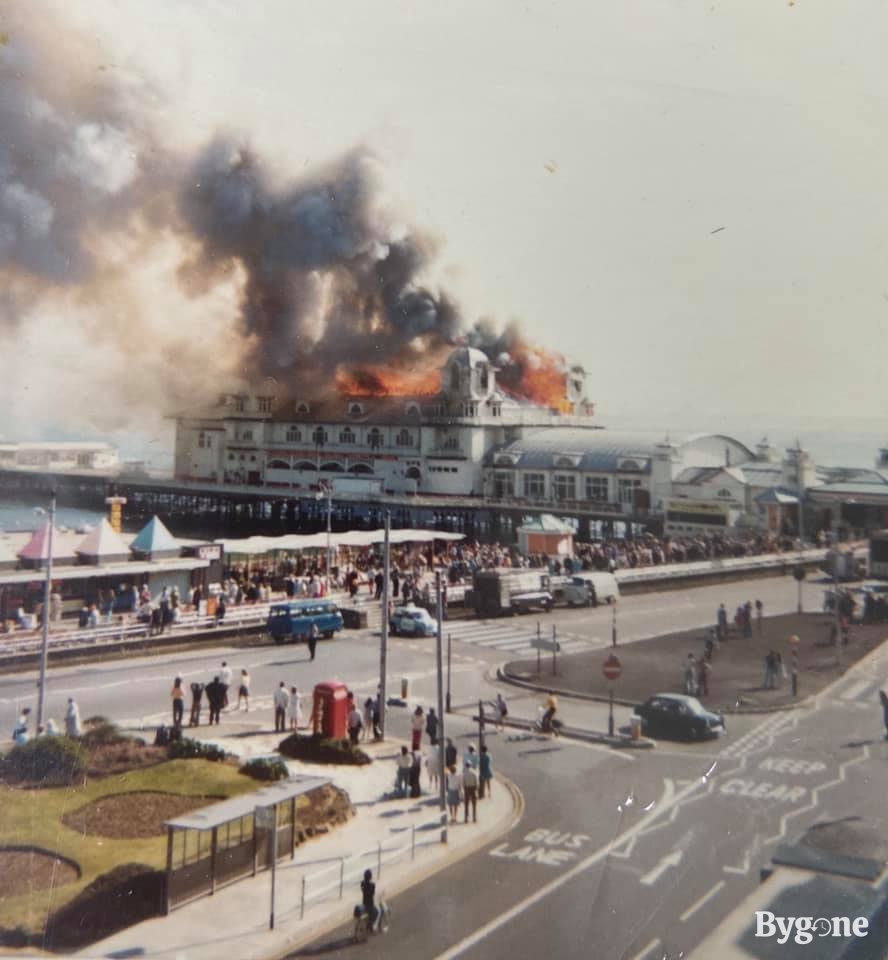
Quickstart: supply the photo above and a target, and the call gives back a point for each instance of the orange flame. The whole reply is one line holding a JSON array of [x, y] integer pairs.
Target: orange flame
[[536, 374], [388, 381]]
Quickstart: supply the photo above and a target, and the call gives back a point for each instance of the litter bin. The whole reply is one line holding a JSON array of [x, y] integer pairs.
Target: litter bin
[[404, 686], [635, 727]]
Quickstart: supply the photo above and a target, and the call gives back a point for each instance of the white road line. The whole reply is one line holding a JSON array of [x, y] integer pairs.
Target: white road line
[[854, 691], [647, 950], [703, 900], [520, 908]]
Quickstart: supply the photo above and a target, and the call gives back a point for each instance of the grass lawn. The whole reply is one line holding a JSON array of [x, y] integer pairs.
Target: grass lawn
[[33, 817]]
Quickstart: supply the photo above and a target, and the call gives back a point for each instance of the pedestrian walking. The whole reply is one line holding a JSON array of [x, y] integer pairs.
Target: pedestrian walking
[[450, 754], [470, 758], [415, 771], [215, 698], [452, 788], [402, 773], [243, 692], [417, 722], [368, 718], [690, 676], [313, 640], [432, 726], [759, 617], [281, 702], [703, 671], [355, 723], [197, 690], [747, 620], [20, 733], [72, 719], [377, 717], [433, 765], [220, 609], [501, 711], [178, 695], [485, 774], [225, 680], [295, 709], [470, 791], [722, 622]]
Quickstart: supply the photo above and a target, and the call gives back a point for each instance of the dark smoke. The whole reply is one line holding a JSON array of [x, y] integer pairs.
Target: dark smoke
[[163, 281], [326, 276]]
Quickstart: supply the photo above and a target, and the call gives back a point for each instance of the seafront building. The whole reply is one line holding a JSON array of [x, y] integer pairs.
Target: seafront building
[[473, 440]]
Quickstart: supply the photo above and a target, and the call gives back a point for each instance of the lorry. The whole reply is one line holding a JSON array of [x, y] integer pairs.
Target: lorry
[[505, 592], [588, 589]]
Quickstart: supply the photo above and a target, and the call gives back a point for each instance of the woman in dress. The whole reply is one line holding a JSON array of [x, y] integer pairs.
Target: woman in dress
[[452, 784]]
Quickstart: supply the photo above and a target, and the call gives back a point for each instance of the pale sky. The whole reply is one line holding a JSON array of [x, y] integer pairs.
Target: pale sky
[[576, 157]]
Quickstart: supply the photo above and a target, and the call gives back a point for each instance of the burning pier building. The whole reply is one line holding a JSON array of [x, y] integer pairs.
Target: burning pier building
[[380, 430]]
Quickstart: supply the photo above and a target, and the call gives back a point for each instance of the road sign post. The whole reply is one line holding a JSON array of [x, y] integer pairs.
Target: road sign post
[[612, 670]]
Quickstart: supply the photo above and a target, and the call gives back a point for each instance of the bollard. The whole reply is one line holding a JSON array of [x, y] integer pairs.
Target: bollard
[[404, 688], [302, 905], [341, 875]]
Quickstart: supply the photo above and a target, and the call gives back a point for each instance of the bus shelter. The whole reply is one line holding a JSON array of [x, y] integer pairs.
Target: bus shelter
[[230, 840]]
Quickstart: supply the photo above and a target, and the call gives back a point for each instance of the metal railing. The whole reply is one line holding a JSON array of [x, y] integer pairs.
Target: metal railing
[[251, 615], [349, 870]]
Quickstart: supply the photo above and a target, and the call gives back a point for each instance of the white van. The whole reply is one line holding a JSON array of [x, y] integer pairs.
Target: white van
[[589, 589]]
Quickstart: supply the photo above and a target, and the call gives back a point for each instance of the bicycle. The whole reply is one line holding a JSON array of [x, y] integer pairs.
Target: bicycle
[[363, 926]]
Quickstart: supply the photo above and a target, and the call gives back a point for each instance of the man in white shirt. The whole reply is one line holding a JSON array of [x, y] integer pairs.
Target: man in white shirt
[[281, 702]]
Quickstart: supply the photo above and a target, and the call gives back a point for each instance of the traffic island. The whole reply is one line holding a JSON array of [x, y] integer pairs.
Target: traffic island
[[737, 676]]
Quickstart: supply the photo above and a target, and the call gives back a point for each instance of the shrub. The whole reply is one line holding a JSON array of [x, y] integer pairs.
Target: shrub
[[99, 732], [266, 768], [48, 760], [187, 749], [316, 749]]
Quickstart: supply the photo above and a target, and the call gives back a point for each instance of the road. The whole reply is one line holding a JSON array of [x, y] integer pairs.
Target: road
[[618, 855]]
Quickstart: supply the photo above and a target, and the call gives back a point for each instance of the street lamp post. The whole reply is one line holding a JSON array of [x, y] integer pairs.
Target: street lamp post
[[47, 598], [383, 645], [439, 658], [614, 625]]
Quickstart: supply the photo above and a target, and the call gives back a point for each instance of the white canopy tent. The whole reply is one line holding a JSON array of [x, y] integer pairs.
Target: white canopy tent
[[296, 542]]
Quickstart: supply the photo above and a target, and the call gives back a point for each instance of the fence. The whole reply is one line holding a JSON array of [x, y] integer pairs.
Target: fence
[[347, 872], [243, 617]]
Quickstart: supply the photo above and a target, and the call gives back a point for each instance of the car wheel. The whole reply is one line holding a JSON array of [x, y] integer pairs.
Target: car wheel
[[328, 635]]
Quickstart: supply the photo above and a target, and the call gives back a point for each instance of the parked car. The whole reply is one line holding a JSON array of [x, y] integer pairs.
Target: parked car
[[678, 716], [293, 620], [412, 621]]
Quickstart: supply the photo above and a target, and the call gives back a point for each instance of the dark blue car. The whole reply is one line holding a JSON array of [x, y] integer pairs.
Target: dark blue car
[[294, 620]]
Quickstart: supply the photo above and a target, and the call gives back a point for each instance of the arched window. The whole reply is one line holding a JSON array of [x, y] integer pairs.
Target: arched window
[[413, 473], [331, 467], [454, 378], [355, 409], [405, 439], [319, 436], [302, 407], [724, 493], [278, 465], [347, 435], [360, 468], [374, 438], [305, 465], [294, 434]]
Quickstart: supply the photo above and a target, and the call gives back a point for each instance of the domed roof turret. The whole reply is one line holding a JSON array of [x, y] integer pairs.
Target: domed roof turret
[[467, 357]]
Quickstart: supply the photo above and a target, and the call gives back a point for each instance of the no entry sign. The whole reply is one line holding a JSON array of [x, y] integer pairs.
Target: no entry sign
[[612, 668]]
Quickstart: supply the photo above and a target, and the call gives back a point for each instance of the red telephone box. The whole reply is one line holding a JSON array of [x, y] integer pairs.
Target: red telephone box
[[329, 714]]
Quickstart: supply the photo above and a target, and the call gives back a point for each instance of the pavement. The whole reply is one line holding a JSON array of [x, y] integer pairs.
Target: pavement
[[319, 888], [737, 678]]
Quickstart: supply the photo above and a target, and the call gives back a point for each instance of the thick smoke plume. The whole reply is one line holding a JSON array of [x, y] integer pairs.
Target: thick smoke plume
[[137, 283]]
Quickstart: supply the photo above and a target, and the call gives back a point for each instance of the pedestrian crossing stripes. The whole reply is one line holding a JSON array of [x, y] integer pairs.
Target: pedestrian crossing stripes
[[505, 636]]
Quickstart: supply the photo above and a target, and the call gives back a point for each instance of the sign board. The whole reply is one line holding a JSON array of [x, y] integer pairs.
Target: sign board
[[552, 646], [612, 668], [211, 551]]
